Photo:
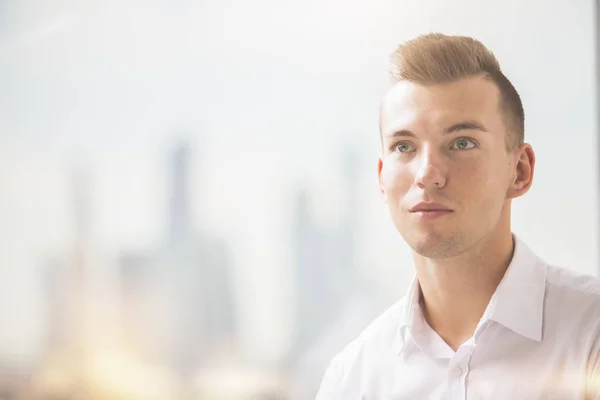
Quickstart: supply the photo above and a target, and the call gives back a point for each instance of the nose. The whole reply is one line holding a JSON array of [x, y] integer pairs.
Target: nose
[[430, 172]]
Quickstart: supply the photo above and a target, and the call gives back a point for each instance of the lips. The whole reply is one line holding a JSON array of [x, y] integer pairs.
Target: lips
[[429, 211], [429, 207]]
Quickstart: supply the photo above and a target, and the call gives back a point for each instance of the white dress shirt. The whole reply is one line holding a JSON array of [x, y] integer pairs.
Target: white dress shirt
[[539, 338]]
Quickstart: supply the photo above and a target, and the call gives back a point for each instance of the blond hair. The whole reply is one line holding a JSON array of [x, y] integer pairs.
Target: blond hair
[[438, 58]]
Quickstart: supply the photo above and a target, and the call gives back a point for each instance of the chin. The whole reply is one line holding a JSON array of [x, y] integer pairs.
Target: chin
[[436, 245]]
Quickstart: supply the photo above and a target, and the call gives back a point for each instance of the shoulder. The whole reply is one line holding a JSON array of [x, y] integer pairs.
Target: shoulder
[[375, 340], [573, 297], [572, 286], [362, 360]]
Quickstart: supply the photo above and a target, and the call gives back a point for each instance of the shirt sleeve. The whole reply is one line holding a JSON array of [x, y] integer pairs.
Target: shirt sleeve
[[593, 379], [331, 384], [593, 384]]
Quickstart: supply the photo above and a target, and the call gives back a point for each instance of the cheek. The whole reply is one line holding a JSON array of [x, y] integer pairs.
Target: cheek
[[396, 181], [483, 183]]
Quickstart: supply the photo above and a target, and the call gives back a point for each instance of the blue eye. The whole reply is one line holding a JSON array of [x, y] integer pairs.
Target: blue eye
[[463, 144], [404, 147]]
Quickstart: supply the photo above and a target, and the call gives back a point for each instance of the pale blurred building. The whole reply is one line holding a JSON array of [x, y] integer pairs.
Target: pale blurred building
[[177, 299], [324, 259], [66, 281], [78, 325]]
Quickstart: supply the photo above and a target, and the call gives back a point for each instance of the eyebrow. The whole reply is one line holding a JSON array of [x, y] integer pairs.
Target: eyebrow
[[460, 126]]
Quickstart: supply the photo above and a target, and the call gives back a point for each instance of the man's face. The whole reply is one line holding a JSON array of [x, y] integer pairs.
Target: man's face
[[445, 172]]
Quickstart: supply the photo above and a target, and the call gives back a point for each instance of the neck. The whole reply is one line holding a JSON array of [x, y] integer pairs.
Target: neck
[[456, 291]]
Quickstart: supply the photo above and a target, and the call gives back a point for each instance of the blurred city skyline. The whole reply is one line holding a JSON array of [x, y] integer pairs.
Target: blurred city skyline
[[175, 303]]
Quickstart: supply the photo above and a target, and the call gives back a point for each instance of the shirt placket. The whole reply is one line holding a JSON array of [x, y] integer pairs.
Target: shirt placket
[[458, 369]]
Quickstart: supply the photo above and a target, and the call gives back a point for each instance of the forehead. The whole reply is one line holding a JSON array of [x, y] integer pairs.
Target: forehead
[[410, 105]]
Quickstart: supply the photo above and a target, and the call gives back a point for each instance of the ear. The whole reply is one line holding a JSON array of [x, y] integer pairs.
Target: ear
[[524, 169], [380, 177]]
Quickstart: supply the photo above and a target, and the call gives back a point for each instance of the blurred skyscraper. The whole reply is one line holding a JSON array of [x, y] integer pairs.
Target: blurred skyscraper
[[65, 275], [68, 300], [333, 303], [325, 261], [180, 213], [178, 301]]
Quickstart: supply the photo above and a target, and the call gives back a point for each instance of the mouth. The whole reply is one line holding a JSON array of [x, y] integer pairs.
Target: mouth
[[430, 211]]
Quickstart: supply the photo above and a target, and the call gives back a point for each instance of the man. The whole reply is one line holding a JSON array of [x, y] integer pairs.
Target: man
[[484, 318]]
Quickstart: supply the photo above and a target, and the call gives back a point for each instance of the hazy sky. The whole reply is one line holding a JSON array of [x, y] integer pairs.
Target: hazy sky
[[271, 92]]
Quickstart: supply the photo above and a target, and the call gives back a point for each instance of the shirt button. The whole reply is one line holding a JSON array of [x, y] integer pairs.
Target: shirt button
[[456, 371]]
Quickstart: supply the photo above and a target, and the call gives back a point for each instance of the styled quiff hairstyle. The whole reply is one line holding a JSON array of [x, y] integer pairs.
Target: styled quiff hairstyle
[[437, 58]]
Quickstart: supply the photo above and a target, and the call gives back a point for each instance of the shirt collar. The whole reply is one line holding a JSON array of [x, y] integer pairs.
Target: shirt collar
[[517, 303], [410, 310]]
